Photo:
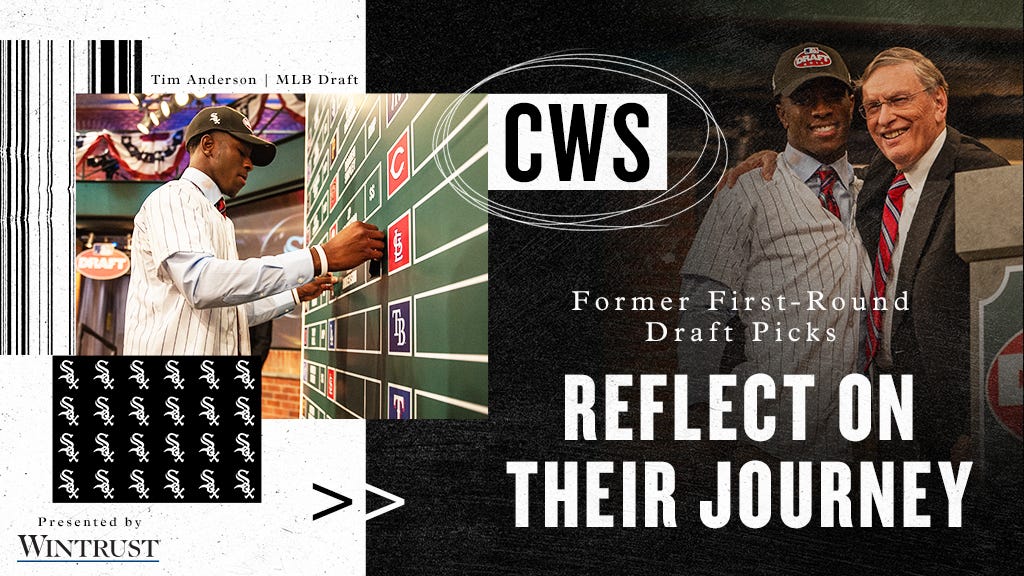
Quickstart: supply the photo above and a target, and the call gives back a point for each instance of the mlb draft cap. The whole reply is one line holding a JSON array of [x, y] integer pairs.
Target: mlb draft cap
[[227, 119], [807, 62]]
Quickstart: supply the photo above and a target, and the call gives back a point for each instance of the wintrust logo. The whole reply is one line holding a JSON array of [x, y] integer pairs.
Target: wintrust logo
[[42, 548]]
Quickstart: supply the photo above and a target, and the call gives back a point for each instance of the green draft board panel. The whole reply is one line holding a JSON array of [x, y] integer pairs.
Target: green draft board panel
[[406, 338]]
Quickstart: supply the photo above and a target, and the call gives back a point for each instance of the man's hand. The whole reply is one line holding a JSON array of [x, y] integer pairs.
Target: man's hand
[[766, 160], [316, 287], [355, 244]]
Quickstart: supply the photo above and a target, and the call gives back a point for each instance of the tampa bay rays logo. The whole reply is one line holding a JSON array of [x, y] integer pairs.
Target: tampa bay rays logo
[[139, 447], [103, 447], [209, 484], [140, 411], [209, 376], [139, 484], [138, 375], [244, 447], [175, 411], [104, 375], [67, 368], [104, 484], [209, 447], [174, 375], [244, 484], [244, 411], [174, 447], [68, 485], [209, 410], [69, 411], [67, 440], [104, 411], [244, 374], [175, 484]]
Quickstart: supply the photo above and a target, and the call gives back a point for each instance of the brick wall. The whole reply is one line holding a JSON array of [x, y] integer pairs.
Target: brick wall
[[281, 384]]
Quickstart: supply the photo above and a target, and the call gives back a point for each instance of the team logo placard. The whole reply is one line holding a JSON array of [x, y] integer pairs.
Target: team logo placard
[[1000, 340], [334, 191], [812, 57], [330, 383], [399, 402], [399, 244], [395, 102], [398, 163], [400, 327], [1003, 386]]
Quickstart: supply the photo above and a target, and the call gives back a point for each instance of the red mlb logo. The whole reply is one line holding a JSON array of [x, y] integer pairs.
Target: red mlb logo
[[330, 383], [398, 163], [334, 191], [399, 244]]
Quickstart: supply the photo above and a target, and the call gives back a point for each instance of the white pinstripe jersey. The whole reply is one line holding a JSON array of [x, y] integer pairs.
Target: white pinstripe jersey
[[177, 217], [766, 239]]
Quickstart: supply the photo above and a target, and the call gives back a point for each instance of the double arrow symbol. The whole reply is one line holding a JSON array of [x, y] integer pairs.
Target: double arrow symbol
[[346, 501]]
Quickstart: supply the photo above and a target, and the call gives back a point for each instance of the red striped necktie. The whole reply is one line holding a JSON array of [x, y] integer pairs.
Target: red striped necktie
[[222, 207], [883, 261], [826, 180]]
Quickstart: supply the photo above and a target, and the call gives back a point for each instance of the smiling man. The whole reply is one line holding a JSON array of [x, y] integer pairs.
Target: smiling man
[[783, 238], [189, 294]]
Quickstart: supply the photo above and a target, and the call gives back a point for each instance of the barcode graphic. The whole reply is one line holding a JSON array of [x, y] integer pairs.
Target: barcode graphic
[[115, 66]]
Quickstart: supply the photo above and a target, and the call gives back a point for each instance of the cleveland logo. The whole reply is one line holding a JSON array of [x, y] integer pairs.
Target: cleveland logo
[[812, 57]]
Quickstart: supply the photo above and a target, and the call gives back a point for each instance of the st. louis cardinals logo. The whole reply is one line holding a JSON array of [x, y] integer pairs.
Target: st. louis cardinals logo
[[103, 447], [175, 484], [209, 484], [243, 374], [104, 484], [244, 446], [140, 411], [209, 410], [67, 440], [174, 375], [174, 447], [209, 376], [175, 411], [209, 448], [245, 486], [244, 411], [69, 411], [138, 375], [67, 368], [104, 411], [139, 484], [139, 448], [68, 478], [103, 375]]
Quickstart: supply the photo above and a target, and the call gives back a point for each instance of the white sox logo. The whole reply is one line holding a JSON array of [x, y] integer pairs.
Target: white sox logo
[[245, 412], [104, 411], [104, 375], [244, 447], [210, 411], [68, 374], [104, 484], [138, 375], [245, 486], [104, 447], [139, 484], [209, 484], [175, 411], [244, 375], [67, 439], [69, 484], [209, 376], [210, 449], [175, 484], [174, 375], [69, 411], [174, 447], [139, 448], [140, 411]]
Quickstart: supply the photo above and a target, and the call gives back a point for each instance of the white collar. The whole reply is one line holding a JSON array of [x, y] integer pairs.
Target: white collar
[[804, 166], [205, 184], [917, 174]]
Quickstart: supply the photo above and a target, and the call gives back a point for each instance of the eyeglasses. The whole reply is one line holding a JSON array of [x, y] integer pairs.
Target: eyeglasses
[[872, 109]]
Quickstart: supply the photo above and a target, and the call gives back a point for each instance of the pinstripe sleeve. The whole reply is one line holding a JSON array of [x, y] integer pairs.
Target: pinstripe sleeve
[[175, 223], [721, 250]]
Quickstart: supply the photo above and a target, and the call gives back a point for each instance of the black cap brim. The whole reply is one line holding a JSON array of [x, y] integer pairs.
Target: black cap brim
[[263, 152]]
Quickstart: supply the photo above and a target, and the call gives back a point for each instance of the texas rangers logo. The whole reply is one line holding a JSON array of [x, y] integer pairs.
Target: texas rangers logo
[[812, 57], [245, 412], [140, 411], [175, 484], [175, 411], [244, 447], [245, 486], [68, 374], [67, 440], [104, 484], [209, 484], [174, 447], [104, 447], [139, 484], [138, 375], [174, 374], [69, 411], [209, 376], [209, 448], [104, 375], [209, 410], [69, 484], [104, 411], [244, 374], [139, 448]]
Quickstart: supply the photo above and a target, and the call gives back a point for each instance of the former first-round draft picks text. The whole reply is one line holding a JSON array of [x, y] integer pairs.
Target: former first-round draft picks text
[[278, 80]]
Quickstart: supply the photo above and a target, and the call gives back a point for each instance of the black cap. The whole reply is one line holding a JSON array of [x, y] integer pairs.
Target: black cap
[[226, 119], [807, 62]]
